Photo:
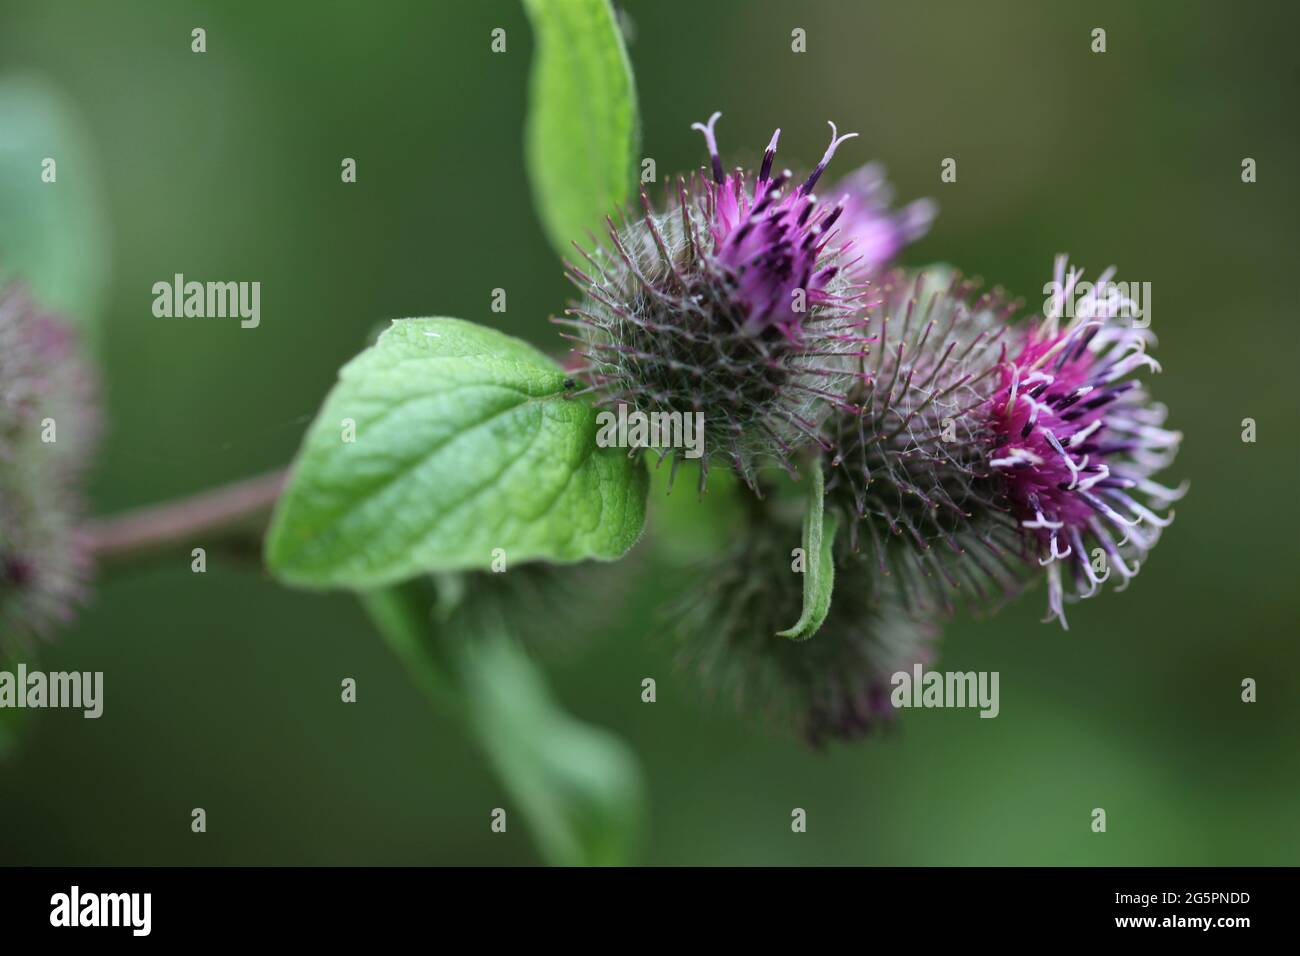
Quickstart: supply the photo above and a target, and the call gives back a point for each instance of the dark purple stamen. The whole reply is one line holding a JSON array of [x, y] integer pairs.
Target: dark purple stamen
[[769, 154], [820, 168]]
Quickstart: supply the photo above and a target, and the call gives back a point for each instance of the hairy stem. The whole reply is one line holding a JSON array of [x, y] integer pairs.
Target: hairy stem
[[230, 512]]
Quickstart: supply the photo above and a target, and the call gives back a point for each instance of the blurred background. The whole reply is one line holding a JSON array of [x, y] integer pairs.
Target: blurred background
[[222, 689]]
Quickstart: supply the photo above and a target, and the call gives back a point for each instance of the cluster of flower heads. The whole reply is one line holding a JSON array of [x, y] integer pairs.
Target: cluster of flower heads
[[49, 424], [967, 451]]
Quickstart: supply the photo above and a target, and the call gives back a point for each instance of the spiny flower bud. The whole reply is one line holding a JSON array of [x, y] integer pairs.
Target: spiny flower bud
[[741, 302], [49, 422], [976, 451], [1077, 441], [836, 684], [910, 472]]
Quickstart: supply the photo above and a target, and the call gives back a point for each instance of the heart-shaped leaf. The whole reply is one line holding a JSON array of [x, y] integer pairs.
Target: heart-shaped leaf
[[446, 446]]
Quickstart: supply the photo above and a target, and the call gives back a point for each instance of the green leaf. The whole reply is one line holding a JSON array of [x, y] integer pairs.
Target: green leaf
[[583, 131], [53, 235], [819, 561], [579, 787], [465, 442]]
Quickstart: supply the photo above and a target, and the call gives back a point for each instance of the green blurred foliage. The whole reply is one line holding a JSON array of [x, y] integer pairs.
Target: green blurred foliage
[[222, 690], [578, 787], [53, 235]]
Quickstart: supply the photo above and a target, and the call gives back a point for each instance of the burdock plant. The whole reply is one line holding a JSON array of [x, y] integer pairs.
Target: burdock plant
[[902, 443], [909, 440]]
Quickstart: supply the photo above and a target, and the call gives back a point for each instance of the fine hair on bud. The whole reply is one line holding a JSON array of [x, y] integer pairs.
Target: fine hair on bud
[[833, 686]]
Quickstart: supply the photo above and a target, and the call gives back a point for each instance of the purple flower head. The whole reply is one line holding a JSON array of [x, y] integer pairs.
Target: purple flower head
[[735, 303], [49, 423], [1078, 440], [872, 233], [770, 238]]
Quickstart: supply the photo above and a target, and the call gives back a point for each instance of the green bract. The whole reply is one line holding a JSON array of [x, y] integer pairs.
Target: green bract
[[448, 446], [819, 562]]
